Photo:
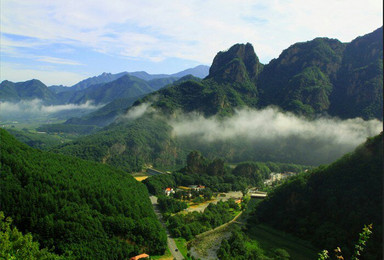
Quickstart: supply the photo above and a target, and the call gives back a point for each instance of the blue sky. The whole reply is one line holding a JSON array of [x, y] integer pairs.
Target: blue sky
[[65, 41]]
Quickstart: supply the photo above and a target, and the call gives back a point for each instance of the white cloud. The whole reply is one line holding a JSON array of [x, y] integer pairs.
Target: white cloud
[[138, 111], [193, 30], [48, 75], [270, 125], [57, 60], [36, 107]]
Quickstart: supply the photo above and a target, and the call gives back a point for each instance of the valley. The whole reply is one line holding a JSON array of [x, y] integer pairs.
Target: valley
[[237, 160]]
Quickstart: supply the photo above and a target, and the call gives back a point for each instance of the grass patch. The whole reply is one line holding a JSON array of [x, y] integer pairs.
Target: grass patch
[[270, 239], [167, 255], [181, 244]]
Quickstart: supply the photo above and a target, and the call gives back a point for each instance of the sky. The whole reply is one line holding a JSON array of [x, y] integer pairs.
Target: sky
[[61, 42]]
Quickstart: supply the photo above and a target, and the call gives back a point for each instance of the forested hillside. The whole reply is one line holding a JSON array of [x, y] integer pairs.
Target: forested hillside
[[76, 207], [331, 205], [128, 145], [300, 79], [31, 89]]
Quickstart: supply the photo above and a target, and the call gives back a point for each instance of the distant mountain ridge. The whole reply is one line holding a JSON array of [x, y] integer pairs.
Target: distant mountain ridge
[[99, 89], [200, 71], [124, 86]]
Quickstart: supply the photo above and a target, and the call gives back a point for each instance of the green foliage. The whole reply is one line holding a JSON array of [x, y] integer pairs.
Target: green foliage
[[71, 205], [363, 238], [15, 245], [170, 205], [359, 246], [337, 199], [238, 247]]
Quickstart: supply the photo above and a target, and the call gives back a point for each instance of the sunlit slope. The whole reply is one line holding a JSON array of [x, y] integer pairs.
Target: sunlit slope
[[71, 205]]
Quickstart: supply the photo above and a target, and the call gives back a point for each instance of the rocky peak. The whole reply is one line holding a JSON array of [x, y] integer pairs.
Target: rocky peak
[[239, 64]]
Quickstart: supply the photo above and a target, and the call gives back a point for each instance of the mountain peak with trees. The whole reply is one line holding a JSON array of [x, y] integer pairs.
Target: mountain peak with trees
[[239, 64], [317, 77]]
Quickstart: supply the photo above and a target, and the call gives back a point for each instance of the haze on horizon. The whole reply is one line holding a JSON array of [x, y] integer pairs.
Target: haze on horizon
[[63, 42]]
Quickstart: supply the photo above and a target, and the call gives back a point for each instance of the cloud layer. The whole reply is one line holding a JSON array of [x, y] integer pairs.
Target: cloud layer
[[267, 134], [35, 107]]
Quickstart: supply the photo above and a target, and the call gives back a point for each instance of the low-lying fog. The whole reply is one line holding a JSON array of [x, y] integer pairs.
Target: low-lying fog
[[26, 109], [269, 134]]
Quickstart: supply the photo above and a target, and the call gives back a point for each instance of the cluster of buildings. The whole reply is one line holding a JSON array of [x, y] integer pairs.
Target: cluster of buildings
[[168, 191], [278, 177]]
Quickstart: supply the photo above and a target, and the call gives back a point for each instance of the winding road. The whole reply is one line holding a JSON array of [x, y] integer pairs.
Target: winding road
[[171, 242]]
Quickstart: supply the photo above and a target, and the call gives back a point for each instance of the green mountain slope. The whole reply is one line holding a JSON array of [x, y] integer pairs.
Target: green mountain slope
[[129, 145], [31, 89], [330, 205], [230, 84], [90, 210], [124, 87], [300, 79]]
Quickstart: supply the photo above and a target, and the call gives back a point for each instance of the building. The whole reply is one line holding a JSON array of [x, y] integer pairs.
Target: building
[[169, 191]]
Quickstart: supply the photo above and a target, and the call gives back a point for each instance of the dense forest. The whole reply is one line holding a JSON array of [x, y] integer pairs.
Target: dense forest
[[128, 145], [15, 245], [338, 200], [76, 207]]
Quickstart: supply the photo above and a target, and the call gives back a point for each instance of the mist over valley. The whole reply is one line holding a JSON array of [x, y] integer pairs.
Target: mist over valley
[[274, 151]]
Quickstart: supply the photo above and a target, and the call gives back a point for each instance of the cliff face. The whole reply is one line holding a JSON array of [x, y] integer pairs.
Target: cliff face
[[358, 89]]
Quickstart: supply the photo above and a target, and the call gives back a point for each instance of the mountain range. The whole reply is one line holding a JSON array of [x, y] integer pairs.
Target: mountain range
[[322, 76], [305, 79], [100, 89]]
